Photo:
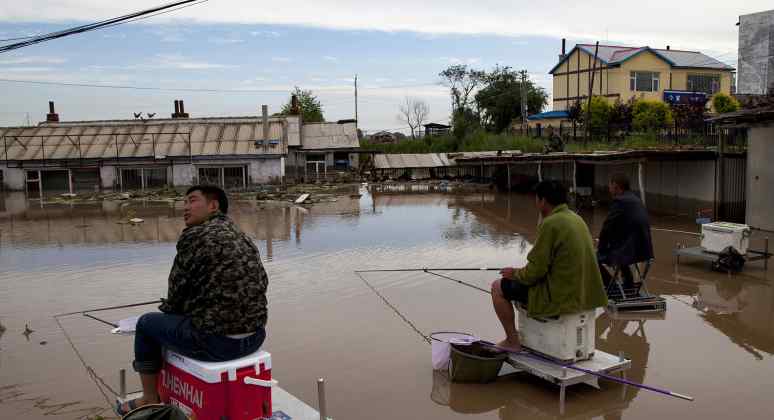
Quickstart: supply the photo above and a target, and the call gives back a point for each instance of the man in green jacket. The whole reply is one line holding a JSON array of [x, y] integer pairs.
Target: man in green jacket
[[561, 275]]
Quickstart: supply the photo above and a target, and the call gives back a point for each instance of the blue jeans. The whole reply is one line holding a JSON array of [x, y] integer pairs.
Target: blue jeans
[[156, 330]]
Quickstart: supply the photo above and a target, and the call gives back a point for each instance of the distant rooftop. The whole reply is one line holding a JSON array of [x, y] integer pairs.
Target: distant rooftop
[[616, 54]]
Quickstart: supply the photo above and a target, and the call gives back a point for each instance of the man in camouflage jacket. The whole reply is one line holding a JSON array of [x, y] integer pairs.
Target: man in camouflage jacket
[[215, 308]]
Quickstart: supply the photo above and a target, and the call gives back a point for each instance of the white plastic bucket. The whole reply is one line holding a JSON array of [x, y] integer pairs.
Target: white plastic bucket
[[441, 346]]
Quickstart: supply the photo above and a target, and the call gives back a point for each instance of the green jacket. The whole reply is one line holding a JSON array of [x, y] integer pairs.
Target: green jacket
[[562, 271]]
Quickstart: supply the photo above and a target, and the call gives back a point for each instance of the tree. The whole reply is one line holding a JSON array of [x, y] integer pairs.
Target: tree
[[413, 112], [725, 103], [648, 115], [461, 81], [499, 101], [598, 115], [309, 106], [464, 123]]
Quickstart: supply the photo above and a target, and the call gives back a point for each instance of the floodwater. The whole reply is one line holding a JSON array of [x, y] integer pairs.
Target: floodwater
[[715, 342]]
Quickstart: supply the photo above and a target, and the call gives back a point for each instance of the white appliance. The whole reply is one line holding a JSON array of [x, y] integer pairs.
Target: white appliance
[[567, 338], [715, 237]]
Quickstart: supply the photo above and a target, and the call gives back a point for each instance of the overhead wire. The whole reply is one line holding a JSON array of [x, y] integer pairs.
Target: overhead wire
[[93, 26]]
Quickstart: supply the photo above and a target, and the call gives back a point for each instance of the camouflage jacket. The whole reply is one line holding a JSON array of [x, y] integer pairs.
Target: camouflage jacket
[[217, 279]]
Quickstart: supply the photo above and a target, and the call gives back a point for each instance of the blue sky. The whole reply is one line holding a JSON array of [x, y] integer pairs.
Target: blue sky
[[210, 47]]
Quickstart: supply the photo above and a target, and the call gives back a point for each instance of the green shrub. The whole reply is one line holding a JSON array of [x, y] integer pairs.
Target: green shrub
[[648, 115], [724, 103]]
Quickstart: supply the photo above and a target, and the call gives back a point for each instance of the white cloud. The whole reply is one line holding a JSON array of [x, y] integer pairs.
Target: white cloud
[[23, 70], [593, 19], [164, 61], [266, 34], [330, 58], [32, 60], [175, 61], [225, 40], [114, 36], [472, 61], [280, 59]]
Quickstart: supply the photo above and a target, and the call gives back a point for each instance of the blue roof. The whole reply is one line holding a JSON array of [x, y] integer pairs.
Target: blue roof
[[548, 115]]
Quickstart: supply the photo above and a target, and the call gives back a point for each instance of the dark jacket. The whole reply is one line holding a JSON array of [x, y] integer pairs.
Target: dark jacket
[[217, 279], [625, 236]]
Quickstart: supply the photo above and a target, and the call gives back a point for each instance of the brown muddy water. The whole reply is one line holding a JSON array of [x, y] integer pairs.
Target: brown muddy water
[[715, 343]]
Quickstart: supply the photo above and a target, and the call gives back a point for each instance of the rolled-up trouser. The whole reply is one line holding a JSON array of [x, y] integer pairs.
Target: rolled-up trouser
[[156, 331]]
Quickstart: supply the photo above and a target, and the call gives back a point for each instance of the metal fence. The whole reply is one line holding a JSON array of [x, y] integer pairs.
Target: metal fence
[[709, 136]]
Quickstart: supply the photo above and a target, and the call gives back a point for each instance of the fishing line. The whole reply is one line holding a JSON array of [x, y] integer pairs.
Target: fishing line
[[98, 381], [92, 374], [459, 282], [397, 312]]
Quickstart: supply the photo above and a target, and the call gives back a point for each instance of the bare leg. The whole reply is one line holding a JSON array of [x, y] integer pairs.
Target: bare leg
[[505, 313], [150, 394]]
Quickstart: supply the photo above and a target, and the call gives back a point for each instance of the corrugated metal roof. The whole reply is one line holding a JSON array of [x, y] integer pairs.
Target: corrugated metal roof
[[130, 139], [400, 161]]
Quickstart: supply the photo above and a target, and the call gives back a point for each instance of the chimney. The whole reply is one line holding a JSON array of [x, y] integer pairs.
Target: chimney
[[52, 116], [265, 123], [667, 47], [564, 49], [179, 109]]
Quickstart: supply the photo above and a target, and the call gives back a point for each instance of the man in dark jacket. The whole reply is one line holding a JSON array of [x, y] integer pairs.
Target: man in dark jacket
[[625, 236], [215, 308]]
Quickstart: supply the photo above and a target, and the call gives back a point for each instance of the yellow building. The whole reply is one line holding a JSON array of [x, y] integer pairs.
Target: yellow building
[[637, 72]]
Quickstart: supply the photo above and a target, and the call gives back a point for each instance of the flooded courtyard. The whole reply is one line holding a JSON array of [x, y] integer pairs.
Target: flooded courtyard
[[715, 342]]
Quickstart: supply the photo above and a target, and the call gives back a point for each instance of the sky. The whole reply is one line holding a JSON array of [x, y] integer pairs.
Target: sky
[[255, 52]]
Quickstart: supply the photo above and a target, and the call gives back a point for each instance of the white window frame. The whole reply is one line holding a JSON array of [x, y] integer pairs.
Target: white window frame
[[655, 81]]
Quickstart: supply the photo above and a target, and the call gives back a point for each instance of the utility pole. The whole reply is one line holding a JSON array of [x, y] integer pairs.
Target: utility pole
[[356, 120], [523, 89], [593, 69]]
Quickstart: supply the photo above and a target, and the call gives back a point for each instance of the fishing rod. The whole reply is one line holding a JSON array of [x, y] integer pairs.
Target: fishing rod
[[399, 270], [431, 271], [590, 372], [108, 308], [459, 282]]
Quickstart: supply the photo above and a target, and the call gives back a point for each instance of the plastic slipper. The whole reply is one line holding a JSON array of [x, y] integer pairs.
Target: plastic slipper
[[131, 405]]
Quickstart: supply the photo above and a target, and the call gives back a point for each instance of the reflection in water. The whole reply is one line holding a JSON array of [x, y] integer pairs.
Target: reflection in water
[[740, 307], [325, 322], [522, 396]]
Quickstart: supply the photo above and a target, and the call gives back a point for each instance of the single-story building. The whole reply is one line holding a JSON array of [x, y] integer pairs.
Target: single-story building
[[760, 154], [549, 122], [435, 129], [233, 152], [325, 149]]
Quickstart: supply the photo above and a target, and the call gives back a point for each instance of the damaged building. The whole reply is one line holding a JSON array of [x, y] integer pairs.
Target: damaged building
[[120, 155]]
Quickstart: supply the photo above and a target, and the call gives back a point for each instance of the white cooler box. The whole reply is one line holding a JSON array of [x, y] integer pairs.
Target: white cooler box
[[715, 237], [569, 338]]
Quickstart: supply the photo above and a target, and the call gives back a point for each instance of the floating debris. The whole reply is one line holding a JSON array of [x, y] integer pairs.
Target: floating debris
[[43, 343], [302, 198], [27, 331], [136, 220]]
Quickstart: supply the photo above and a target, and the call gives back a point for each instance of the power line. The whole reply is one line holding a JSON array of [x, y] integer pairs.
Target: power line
[[90, 85], [93, 26]]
